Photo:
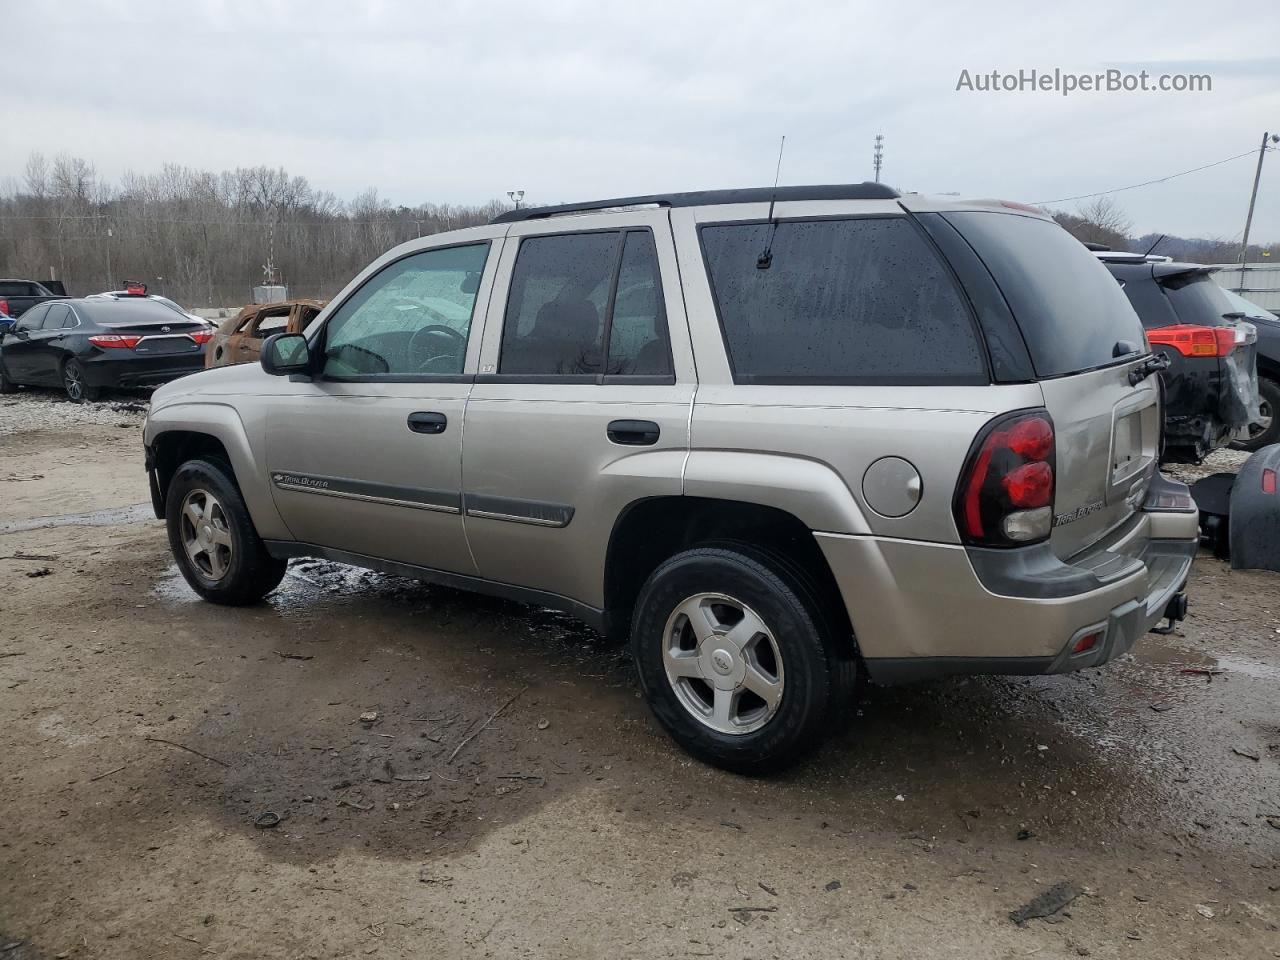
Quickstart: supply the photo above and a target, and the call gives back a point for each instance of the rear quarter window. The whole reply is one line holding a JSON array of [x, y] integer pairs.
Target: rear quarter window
[[863, 300], [1071, 311]]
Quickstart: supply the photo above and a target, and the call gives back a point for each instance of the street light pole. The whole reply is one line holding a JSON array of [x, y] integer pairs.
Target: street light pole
[[1253, 198], [516, 196]]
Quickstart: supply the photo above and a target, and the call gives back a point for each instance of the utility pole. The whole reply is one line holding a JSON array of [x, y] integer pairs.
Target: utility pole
[[1253, 198], [878, 154], [516, 196]]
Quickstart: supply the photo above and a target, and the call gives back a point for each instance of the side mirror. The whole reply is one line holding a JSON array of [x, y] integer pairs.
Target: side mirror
[[285, 353]]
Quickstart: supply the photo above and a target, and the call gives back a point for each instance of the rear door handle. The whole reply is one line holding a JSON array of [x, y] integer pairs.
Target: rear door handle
[[427, 422], [634, 433]]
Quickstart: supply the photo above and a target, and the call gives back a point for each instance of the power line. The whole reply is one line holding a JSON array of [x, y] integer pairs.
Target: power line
[[1146, 183]]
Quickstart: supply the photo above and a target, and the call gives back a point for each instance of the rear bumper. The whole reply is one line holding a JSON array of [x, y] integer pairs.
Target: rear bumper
[[135, 371], [922, 609]]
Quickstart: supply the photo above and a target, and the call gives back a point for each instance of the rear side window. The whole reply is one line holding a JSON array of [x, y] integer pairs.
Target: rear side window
[[19, 288], [843, 301], [586, 305], [1070, 309]]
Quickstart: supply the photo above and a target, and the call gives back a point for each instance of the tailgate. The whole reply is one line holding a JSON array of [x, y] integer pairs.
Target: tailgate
[[1108, 435]]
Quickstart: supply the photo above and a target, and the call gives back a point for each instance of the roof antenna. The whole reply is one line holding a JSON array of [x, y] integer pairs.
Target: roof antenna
[[1154, 245], [765, 260]]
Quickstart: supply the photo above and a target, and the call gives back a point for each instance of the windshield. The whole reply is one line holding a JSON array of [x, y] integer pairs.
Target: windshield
[[1070, 309]]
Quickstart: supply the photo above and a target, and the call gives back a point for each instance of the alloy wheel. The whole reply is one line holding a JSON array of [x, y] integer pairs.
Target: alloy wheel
[[206, 536], [74, 382], [723, 663]]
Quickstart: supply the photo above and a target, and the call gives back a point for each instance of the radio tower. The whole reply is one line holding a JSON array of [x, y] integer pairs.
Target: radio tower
[[878, 154]]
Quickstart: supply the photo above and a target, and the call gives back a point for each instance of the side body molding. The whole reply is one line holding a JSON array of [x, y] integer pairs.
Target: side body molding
[[222, 421], [807, 489]]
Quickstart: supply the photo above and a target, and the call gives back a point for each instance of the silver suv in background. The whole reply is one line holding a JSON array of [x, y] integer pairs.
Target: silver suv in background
[[780, 439]]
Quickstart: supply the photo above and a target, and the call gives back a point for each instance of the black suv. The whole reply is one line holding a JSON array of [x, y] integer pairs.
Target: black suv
[[1211, 385]]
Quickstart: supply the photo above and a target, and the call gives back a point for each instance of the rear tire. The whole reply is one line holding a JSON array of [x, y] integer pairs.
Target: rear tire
[[79, 390], [747, 695], [1269, 391], [212, 537]]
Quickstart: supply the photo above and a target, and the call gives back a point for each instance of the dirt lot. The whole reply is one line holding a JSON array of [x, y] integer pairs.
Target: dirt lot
[[143, 732]]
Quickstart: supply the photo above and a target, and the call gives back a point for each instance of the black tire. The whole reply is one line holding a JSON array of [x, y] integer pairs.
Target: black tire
[[819, 671], [250, 573], [6, 385], [73, 381], [1269, 391]]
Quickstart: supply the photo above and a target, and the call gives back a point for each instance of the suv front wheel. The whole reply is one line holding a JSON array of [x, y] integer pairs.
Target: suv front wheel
[[736, 657], [213, 539]]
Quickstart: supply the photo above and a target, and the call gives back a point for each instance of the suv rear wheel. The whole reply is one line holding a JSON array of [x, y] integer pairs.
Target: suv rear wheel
[[736, 657], [212, 537]]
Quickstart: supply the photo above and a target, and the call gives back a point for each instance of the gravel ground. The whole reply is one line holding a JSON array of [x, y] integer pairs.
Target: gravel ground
[[33, 409]]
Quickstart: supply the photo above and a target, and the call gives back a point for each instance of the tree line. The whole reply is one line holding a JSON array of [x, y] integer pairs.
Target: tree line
[[206, 239], [201, 238]]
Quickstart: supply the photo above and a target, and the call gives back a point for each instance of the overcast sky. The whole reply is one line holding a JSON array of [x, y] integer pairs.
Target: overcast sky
[[457, 102]]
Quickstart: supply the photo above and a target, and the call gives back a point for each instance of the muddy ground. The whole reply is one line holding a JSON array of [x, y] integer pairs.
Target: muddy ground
[[142, 733]]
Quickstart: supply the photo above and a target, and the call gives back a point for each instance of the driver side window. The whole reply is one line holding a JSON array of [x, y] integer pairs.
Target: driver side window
[[411, 318]]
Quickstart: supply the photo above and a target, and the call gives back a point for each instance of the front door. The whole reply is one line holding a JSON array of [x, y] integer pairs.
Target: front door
[[367, 458], [583, 399], [22, 345]]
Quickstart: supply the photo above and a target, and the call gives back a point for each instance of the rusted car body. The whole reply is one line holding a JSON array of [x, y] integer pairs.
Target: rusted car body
[[239, 340]]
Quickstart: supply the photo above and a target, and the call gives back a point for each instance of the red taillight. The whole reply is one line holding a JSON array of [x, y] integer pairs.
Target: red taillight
[[201, 336], [1030, 485], [114, 341], [1268, 480], [4, 305], [1005, 496], [1193, 341]]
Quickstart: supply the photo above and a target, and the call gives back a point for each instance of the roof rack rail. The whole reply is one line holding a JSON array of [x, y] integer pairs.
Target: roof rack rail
[[701, 198]]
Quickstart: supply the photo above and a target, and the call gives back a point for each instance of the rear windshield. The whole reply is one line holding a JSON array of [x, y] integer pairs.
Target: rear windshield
[[842, 301], [1070, 309], [1197, 299]]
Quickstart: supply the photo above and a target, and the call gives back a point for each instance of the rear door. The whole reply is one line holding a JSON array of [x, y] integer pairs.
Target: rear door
[[48, 344], [585, 385], [1084, 338]]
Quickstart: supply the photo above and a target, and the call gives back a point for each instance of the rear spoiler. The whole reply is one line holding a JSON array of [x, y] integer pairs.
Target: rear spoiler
[[1163, 271]]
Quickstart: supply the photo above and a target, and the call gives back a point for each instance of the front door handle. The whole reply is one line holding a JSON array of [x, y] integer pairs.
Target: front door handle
[[426, 422], [634, 433]]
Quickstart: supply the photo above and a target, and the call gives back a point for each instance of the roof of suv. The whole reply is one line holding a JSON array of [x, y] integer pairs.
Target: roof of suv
[[703, 198]]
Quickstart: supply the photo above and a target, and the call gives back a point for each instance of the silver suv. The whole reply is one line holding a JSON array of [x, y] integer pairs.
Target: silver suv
[[782, 439]]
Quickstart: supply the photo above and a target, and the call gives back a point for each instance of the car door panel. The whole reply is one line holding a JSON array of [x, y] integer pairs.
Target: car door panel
[[47, 346], [543, 481], [371, 463], [22, 345]]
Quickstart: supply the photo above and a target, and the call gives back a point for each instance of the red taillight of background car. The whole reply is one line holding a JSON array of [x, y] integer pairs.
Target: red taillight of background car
[[201, 336], [1195, 341], [4, 306], [114, 341], [1005, 494]]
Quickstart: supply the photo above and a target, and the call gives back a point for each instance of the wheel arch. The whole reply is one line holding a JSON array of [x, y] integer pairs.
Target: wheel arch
[[182, 432], [649, 530]]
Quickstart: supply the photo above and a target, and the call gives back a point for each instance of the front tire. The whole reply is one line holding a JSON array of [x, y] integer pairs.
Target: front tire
[[213, 539], [6, 385], [79, 390], [737, 658], [1267, 431]]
